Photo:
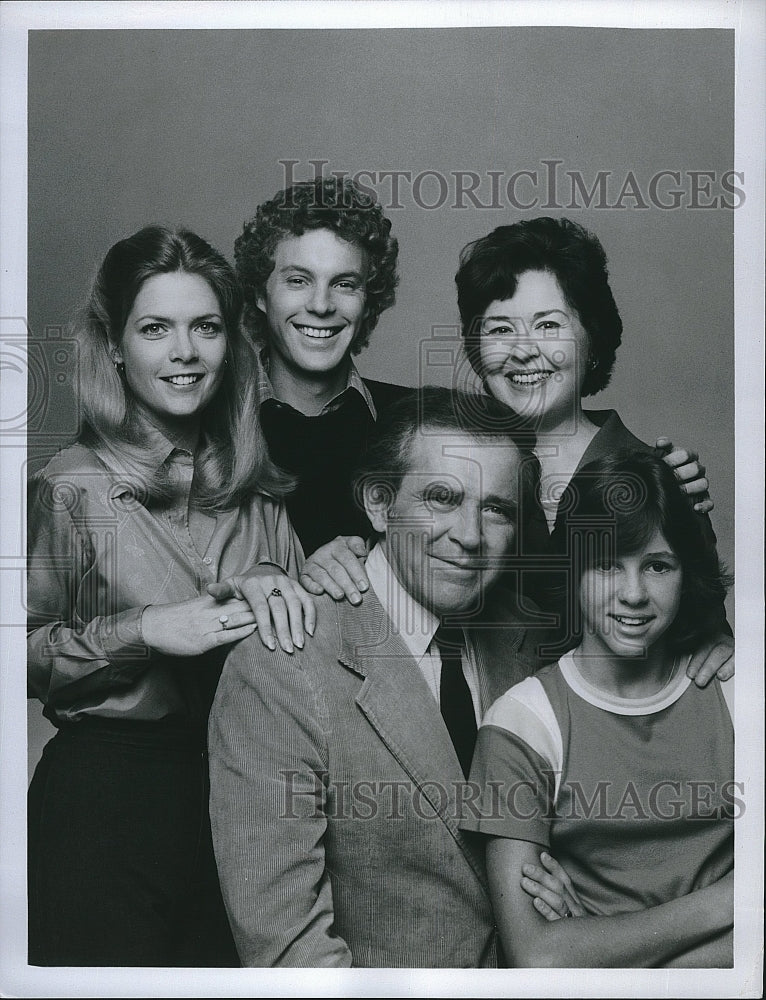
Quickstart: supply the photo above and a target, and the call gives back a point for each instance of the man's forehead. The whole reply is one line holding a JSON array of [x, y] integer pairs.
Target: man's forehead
[[434, 449], [323, 239]]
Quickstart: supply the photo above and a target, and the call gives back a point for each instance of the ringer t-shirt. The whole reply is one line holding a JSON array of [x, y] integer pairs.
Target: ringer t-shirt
[[634, 797]]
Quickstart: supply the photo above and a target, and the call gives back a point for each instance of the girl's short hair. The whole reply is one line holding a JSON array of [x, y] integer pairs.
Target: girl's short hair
[[232, 461], [490, 268], [333, 203], [612, 507]]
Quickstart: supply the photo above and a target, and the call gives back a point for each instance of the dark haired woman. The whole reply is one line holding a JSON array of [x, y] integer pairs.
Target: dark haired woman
[[167, 491], [602, 758], [541, 329]]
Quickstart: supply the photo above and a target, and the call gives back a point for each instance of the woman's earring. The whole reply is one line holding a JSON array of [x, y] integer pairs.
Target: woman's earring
[[119, 365], [593, 365]]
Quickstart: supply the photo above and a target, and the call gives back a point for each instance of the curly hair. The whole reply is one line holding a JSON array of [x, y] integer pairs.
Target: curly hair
[[333, 203], [612, 507], [490, 268], [232, 461]]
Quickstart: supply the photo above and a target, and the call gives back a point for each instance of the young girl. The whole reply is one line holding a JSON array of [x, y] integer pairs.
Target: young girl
[[611, 759]]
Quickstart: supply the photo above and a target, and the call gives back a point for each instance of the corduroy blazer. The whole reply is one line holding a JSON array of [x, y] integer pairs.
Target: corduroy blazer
[[336, 795]]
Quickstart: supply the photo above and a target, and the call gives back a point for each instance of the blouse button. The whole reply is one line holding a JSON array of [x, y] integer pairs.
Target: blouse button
[[207, 560]]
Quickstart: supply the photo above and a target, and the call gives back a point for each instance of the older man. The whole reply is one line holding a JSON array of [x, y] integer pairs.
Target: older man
[[338, 773]]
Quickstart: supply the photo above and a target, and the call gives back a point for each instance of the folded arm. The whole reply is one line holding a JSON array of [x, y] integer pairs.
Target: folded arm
[[641, 939]]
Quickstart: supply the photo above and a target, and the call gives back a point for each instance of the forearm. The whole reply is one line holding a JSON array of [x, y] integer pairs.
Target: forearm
[[64, 661], [715, 953], [644, 939], [641, 939]]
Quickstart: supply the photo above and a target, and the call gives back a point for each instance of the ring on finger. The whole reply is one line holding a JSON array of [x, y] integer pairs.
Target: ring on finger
[[276, 592], [224, 620]]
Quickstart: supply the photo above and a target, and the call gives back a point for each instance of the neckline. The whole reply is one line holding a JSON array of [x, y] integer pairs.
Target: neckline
[[648, 705]]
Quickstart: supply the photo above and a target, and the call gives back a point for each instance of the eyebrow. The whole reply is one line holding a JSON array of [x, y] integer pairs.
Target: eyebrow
[[664, 554], [167, 319], [307, 270], [536, 316], [509, 505]]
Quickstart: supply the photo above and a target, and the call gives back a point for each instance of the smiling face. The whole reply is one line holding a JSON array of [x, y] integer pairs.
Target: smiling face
[[453, 519], [314, 302], [629, 603], [173, 348], [534, 351]]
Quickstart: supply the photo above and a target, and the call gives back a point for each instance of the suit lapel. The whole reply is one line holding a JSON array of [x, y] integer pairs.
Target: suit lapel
[[504, 649], [398, 704]]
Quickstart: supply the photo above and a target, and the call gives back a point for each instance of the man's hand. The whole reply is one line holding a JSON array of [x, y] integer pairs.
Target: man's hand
[[714, 659], [278, 603], [689, 472], [337, 569]]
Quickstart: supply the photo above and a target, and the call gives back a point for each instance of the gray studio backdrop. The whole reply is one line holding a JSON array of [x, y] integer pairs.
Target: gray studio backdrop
[[629, 132]]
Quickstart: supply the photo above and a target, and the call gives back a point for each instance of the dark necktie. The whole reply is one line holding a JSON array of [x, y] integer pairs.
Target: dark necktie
[[454, 696]]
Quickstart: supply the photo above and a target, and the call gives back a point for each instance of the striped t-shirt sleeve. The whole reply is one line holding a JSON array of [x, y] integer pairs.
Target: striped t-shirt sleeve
[[516, 767]]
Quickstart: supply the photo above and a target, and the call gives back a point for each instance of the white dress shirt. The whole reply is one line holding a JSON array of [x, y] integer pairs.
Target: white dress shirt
[[417, 626]]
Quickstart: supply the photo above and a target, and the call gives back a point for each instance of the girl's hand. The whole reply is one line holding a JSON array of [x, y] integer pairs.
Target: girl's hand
[[551, 889], [278, 604], [193, 627], [337, 569]]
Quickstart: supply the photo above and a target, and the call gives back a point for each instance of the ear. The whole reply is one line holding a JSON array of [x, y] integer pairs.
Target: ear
[[378, 498], [260, 300], [115, 354]]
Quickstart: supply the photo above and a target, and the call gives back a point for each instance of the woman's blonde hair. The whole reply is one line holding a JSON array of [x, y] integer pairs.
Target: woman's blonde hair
[[232, 461]]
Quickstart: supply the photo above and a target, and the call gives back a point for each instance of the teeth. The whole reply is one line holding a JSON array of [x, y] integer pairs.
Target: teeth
[[529, 378], [623, 620], [320, 333], [183, 379]]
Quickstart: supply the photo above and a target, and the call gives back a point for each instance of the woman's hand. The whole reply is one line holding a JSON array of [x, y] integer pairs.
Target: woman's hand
[[337, 569], [714, 659], [193, 627], [278, 603], [690, 474], [551, 889]]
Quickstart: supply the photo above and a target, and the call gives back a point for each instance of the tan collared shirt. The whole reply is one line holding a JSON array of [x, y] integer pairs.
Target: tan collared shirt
[[97, 557]]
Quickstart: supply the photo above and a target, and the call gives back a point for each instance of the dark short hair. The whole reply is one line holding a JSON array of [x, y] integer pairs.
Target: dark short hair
[[333, 203], [490, 268], [387, 458], [613, 506]]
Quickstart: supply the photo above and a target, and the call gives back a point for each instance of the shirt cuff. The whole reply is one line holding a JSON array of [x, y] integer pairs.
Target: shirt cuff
[[122, 637]]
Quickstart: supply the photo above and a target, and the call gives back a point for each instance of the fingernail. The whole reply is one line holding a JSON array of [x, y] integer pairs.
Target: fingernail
[[361, 585], [355, 598], [299, 645], [545, 855], [309, 630], [271, 644]]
